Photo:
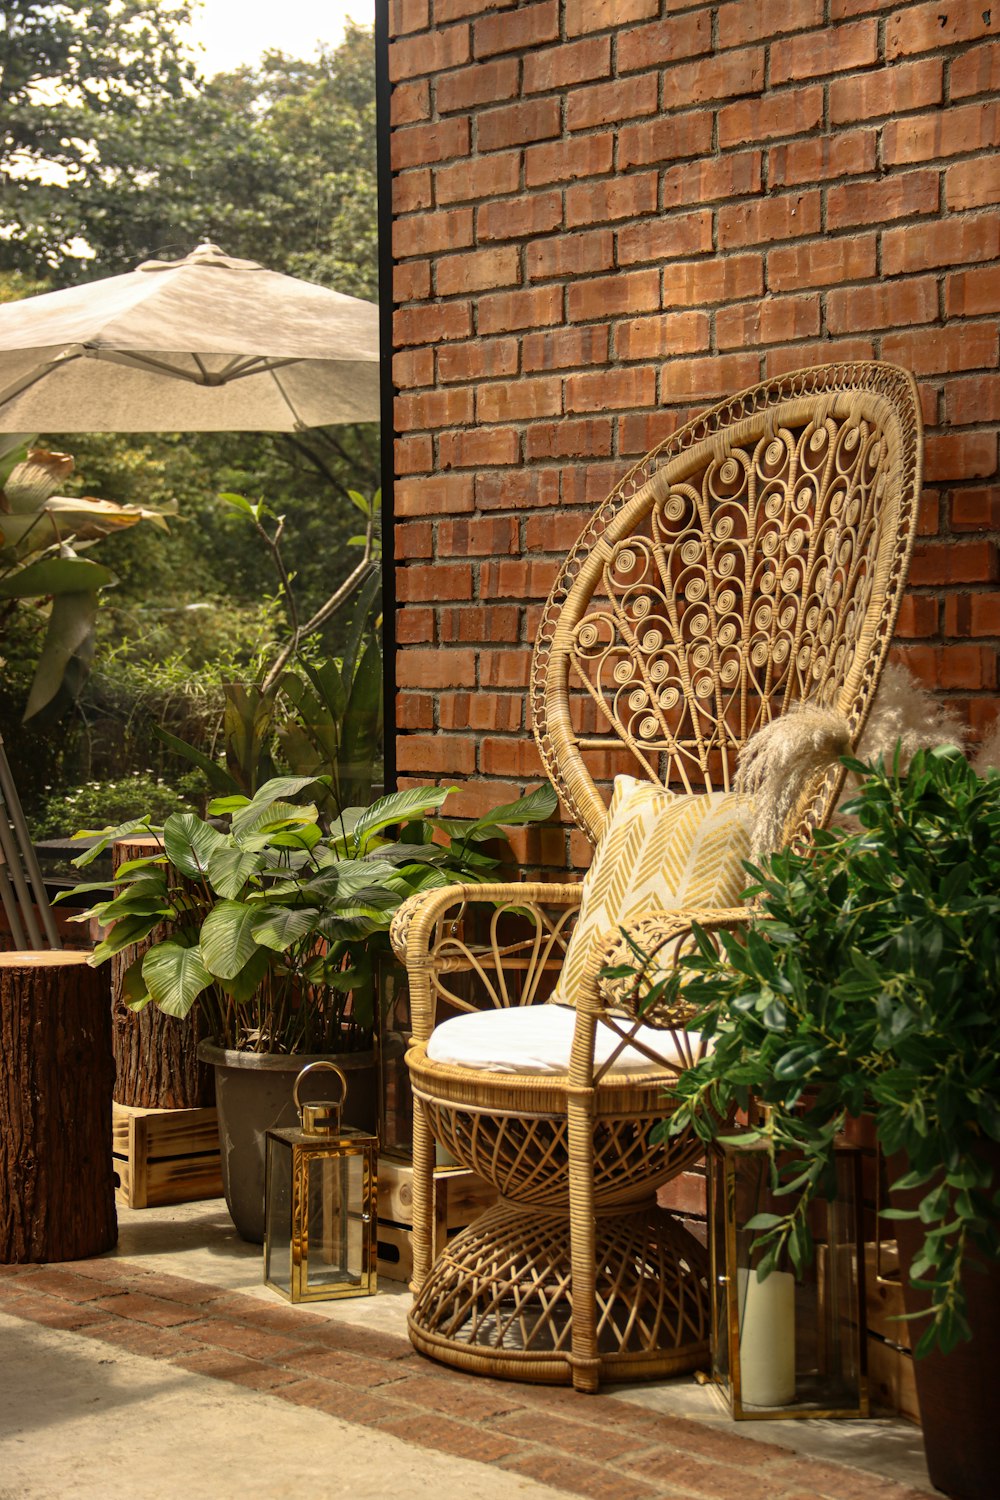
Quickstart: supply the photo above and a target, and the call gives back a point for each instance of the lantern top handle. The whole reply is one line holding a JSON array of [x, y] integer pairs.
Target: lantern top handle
[[321, 1118], [315, 1067]]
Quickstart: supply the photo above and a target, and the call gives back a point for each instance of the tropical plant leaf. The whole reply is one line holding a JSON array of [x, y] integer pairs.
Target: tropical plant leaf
[[175, 977], [398, 807], [227, 940], [273, 794], [229, 868], [93, 518], [189, 843], [278, 927], [108, 836], [66, 656], [56, 575], [534, 807], [123, 934], [244, 985], [217, 776], [248, 725]]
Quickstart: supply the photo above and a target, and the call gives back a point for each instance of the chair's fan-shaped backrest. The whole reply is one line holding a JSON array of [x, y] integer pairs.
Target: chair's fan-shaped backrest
[[755, 559]]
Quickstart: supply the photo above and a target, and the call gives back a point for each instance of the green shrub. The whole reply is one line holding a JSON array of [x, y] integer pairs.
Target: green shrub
[[98, 804]]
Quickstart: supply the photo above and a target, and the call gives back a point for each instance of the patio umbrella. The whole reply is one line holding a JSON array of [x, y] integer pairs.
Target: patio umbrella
[[204, 344]]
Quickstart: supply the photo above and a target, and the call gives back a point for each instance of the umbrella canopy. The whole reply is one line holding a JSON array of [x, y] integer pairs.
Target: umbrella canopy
[[204, 344]]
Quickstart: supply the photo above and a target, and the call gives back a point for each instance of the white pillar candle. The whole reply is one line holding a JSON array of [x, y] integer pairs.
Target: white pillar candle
[[767, 1338]]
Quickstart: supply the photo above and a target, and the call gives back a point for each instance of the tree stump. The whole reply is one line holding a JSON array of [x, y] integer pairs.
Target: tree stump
[[156, 1055], [57, 1189]]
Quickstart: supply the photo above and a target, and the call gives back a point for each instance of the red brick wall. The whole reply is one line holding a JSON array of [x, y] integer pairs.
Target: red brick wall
[[608, 213]]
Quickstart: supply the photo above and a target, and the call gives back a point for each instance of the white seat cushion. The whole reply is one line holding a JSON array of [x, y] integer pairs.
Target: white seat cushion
[[538, 1039]]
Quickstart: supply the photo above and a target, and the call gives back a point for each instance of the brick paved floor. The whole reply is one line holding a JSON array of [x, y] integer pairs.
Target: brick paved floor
[[600, 1447]]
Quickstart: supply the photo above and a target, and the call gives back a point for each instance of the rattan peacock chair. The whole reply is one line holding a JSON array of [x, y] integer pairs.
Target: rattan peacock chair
[[753, 561]]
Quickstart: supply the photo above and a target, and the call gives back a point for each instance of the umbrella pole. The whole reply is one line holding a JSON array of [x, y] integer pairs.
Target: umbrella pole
[[18, 854], [10, 906]]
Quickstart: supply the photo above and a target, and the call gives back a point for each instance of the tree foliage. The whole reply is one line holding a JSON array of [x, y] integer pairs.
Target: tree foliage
[[113, 151], [73, 77]]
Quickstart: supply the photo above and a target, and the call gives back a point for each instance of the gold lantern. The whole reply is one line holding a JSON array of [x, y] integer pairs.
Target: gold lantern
[[790, 1345], [320, 1204]]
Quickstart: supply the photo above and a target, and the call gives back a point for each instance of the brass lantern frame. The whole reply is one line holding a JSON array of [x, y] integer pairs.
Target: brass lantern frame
[[321, 1137], [723, 1158]]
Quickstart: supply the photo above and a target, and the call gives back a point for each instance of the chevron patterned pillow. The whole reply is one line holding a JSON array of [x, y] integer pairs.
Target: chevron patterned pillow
[[659, 852]]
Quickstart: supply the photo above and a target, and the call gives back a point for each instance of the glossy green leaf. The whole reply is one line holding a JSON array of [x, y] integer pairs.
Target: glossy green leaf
[[227, 940], [190, 843], [174, 977]]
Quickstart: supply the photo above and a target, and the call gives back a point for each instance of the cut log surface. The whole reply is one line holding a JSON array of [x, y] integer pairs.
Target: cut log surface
[[156, 1055], [57, 1191]]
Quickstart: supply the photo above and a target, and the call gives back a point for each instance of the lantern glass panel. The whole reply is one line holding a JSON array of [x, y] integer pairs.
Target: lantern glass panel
[[321, 1214], [335, 1221], [278, 1206], [395, 1126], [792, 1344]]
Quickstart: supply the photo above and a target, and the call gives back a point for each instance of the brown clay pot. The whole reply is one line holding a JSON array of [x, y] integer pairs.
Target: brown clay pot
[[956, 1391], [254, 1095]]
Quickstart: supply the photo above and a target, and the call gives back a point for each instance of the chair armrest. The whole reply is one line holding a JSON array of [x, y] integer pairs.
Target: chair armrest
[[615, 1002], [422, 941], [663, 937]]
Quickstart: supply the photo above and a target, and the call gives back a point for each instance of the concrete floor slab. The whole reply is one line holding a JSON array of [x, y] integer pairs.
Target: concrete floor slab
[[80, 1421], [198, 1240], [167, 1370]]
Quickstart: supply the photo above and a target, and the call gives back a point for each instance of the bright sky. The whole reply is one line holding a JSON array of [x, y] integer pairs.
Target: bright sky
[[233, 32]]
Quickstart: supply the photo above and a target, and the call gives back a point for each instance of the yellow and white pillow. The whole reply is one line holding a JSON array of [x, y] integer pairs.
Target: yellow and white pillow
[[659, 852]]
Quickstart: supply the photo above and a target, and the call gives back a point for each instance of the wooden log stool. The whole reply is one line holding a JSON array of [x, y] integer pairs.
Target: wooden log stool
[[57, 1194]]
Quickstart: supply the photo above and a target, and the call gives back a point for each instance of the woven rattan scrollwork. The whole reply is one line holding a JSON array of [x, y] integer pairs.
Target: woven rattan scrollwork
[[750, 561]]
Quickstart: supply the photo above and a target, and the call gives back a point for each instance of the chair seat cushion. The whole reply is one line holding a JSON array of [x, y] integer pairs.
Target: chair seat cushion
[[659, 852], [538, 1039]]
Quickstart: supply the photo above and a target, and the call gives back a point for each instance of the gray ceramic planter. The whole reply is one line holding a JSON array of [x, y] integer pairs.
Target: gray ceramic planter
[[253, 1094]]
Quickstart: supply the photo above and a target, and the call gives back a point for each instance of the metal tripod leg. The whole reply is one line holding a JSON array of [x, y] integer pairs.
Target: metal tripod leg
[[17, 853]]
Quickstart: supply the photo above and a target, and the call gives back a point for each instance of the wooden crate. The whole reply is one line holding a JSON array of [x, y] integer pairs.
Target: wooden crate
[[459, 1197], [890, 1358], [891, 1382], [165, 1155]]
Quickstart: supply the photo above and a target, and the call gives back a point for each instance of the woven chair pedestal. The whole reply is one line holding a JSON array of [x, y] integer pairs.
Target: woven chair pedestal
[[499, 1300]]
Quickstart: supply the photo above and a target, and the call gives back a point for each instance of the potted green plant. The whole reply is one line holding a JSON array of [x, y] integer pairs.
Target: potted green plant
[[869, 981], [273, 932]]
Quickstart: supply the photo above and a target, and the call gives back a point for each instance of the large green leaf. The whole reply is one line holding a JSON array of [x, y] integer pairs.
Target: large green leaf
[[66, 657], [174, 977], [229, 869], [248, 723], [273, 795], [244, 985], [301, 839], [535, 807], [124, 932], [218, 778], [145, 898], [108, 836], [279, 818], [278, 927], [56, 575], [398, 807], [227, 940], [190, 843]]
